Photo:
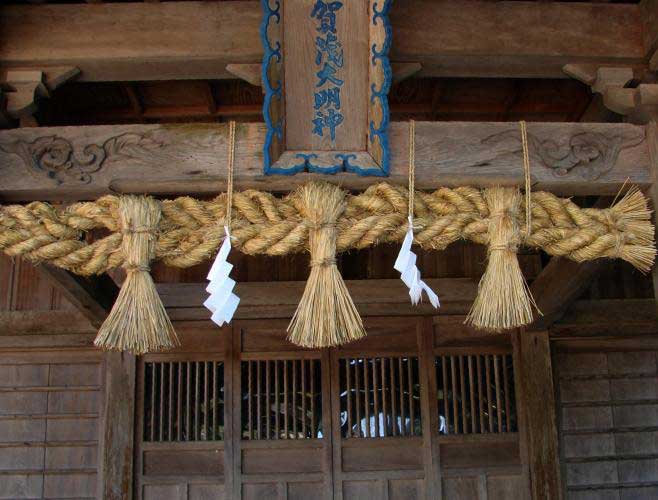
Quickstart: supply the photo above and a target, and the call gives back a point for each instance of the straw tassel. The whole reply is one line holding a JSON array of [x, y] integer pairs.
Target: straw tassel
[[138, 321], [326, 315], [503, 300]]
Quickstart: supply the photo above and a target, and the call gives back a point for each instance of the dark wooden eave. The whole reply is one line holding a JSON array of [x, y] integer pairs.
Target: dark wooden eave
[[481, 39]]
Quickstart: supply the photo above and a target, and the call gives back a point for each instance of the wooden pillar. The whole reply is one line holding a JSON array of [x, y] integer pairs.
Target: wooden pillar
[[536, 408], [117, 433], [652, 136]]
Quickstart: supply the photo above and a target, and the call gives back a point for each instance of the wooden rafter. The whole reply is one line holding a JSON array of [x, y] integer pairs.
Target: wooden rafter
[[92, 297], [133, 41]]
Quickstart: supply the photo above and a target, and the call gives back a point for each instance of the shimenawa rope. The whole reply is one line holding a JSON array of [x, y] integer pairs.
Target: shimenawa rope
[[504, 300]]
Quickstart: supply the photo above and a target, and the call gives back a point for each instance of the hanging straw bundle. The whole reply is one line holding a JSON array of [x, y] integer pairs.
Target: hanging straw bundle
[[503, 300], [138, 321], [326, 315]]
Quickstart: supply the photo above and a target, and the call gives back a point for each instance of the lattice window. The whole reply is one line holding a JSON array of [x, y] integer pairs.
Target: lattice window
[[183, 401], [281, 399], [476, 393], [379, 397]]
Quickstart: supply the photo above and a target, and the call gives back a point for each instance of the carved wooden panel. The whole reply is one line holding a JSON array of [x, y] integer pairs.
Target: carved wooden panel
[[571, 158]]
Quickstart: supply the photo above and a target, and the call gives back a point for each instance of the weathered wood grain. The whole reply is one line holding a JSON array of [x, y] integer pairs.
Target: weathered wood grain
[[85, 162], [116, 456], [196, 40], [534, 375], [280, 299], [92, 297]]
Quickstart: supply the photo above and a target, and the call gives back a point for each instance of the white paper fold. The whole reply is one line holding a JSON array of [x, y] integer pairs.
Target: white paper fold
[[405, 264], [222, 302]]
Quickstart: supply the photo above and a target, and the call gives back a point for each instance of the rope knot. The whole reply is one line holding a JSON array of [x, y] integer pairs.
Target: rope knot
[[134, 268], [323, 262]]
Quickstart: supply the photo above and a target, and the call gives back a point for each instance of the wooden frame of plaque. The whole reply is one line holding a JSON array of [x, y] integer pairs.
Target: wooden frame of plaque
[[326, 77]]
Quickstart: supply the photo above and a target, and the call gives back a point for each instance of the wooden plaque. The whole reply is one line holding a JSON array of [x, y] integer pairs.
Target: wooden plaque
[[326, 77]]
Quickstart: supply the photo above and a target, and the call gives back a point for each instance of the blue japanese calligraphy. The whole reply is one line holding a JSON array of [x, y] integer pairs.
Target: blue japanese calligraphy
[[329, 119], [328, 59]]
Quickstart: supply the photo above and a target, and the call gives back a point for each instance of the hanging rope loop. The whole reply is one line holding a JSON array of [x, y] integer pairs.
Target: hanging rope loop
[[527, 180], [229, 184]]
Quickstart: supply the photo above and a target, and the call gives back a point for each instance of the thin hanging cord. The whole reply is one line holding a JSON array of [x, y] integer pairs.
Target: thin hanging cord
[[528, 185], [412, 167], [231, 160]]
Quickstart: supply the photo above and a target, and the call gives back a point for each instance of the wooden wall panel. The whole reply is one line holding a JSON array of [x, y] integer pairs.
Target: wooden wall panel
[[608, 408], [405, 489], [49, 411]]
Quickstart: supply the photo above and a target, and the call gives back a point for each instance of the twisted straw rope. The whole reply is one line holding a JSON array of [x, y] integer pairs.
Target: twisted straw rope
[[264, 224]]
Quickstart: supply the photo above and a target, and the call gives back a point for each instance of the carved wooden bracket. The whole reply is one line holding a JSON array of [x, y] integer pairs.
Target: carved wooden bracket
[[637, 104], [23, 87], [251, 73]]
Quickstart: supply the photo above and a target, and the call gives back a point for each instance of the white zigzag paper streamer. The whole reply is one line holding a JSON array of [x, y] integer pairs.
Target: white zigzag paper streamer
[[222, 302], [405, 264]]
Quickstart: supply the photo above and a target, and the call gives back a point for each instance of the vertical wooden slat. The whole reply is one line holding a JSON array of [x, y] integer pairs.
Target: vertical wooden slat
[[375, 397], [215, 400], [162, 401], [499, 409], [508, 426], [348, 390], [392, 386], [446, 399], [268, 410], [304, 396], [357, 376], [161, 413], [462, 383], [188, 407], [383, 386], [410, 385], [179, 402], [170, 421], [285, 399], [403, 413], [294, 398], [197, 397], [153, 382], [453, 374], [472, 393], [312, 375], [366, 391], [277, 395], [480, 397], [487, 368], [250, 408], [258, 400], [206, 400]]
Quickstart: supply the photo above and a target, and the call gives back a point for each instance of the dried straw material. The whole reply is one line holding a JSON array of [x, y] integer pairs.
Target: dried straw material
[[326, 315], [138, 321], [503, 300]]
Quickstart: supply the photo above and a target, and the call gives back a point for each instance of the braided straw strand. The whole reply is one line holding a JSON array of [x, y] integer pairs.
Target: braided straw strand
[[261, 223]]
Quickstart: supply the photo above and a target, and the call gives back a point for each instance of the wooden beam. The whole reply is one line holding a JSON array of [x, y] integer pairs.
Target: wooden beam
[[197, 40], [607, 318], [192, 158], [116, 456], [29, 323], [92, 297], [652, 136], [561, 283], [649, 13], [279, 299], [533, 376], [558, 285]]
